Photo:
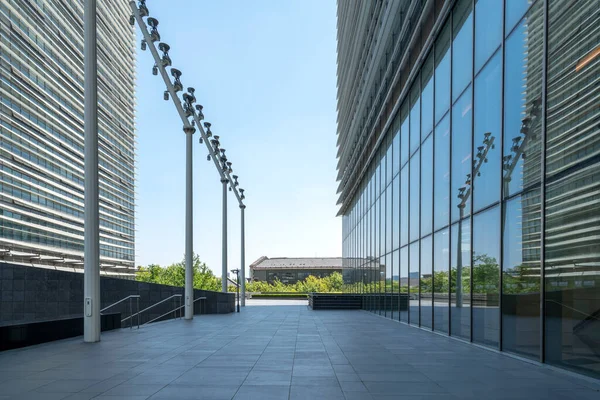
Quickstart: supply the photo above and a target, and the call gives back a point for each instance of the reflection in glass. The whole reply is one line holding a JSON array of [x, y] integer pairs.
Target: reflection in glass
[[487, 125], [488, 30], [404, 206], [441, 269], [460, 194], [404, 138], [426, 282], [389, 162], [460, 279], [427, 186], [427, 109], [514, 10], [486, 277], [441, 175], [388, 219], [404, 282], [415, 120], [414, 196], [572, 253], [522, 104], [396, 154], [396, 212], [521, 275], [382, 221], [395, 277], [442, 72], [462, 47], [413, 284], [388, 285]]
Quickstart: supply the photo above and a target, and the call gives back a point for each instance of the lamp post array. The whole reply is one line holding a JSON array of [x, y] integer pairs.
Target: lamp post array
[[191, 115]]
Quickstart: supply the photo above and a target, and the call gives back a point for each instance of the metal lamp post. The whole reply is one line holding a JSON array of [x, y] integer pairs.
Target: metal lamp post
[[237, 279]]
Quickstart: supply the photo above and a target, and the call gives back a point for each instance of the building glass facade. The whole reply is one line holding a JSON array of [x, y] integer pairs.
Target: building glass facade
[[41, 133], [493, 189]]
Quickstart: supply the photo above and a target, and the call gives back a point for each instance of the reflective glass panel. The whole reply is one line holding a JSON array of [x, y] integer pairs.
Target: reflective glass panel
[[520, 275], [396, 154], [415, 202], [514, 10], [441, 269], [427, 109], [488, 30], [522, 104], [389, 162], [572, 253], [426, 282], [388, 285], [441, 175], [404, 206], [413, 283], [427, 186], [404, 282], [487, 128], [394, 283], [460, 280], [462, 47], [460, 194], [396, 212], [486, 277], [388, 219], [404, 139], [415, 121], [442, 73]]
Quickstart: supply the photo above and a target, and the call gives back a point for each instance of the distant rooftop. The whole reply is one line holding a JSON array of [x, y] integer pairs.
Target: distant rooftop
[[297, 263]]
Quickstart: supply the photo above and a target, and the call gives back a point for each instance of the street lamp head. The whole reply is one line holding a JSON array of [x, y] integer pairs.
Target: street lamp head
[[207, 125], [132, 20], [166, 60], [177, 83], [208, 157], [189, 100], [189, 130], [223, 151], [235, 177], [143, 9], [154, 35], [143, 45], [155, 70], [166, 95], [200, 113]]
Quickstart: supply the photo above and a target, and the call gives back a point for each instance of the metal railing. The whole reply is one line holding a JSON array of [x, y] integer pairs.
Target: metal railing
[[130, 298], [174, 311], [178, 296]]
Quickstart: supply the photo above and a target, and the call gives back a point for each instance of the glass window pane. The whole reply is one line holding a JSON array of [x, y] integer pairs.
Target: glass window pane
[[488, 30], [462, 48], [388, 285], [404, 139], [487, 125], [426, 281], [427, 186], [427, 109], [395, 279], [388, 219], [404, 282], [404, 206], [441, 176], [413, 284], [388, 161], [396, 154], [460, 194], [415, 202], [442, 73], [572, 253], [520, 275], [415, 119], [382, 221], [460, 284], [522, 105], [486, 277], [396, 212], [514, 10], [441, 265]]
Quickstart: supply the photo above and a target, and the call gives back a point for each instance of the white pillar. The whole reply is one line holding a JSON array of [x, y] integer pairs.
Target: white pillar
[[224, 254], [91, 247], [243, 259], [189, 226]]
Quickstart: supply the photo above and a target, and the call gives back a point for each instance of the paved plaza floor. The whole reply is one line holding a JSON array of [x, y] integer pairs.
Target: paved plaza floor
[[278, 352]]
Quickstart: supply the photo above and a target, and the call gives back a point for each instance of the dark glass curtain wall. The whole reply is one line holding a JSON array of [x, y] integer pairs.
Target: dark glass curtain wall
[[479, 216]]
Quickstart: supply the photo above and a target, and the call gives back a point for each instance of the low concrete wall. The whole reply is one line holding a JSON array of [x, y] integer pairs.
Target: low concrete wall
[[35, 294]]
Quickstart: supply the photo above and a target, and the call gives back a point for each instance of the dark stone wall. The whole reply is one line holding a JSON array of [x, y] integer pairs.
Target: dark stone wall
[[36, 294]]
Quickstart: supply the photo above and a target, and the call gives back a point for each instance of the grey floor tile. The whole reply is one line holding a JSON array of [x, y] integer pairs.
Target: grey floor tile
[[316, 392], [125, 389], [264, 392], [183, 392], [258, 377]]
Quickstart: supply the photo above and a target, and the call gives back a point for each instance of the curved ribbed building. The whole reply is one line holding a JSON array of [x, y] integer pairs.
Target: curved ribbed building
[[41, 134]]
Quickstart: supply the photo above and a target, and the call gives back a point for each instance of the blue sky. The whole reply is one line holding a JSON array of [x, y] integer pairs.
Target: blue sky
[[265, 72]]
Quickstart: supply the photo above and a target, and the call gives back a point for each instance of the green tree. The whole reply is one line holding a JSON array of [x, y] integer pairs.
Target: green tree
[[174, 275]]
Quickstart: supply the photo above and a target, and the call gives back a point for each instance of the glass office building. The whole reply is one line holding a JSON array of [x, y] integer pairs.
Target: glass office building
[[41, 133], [469, 170]]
